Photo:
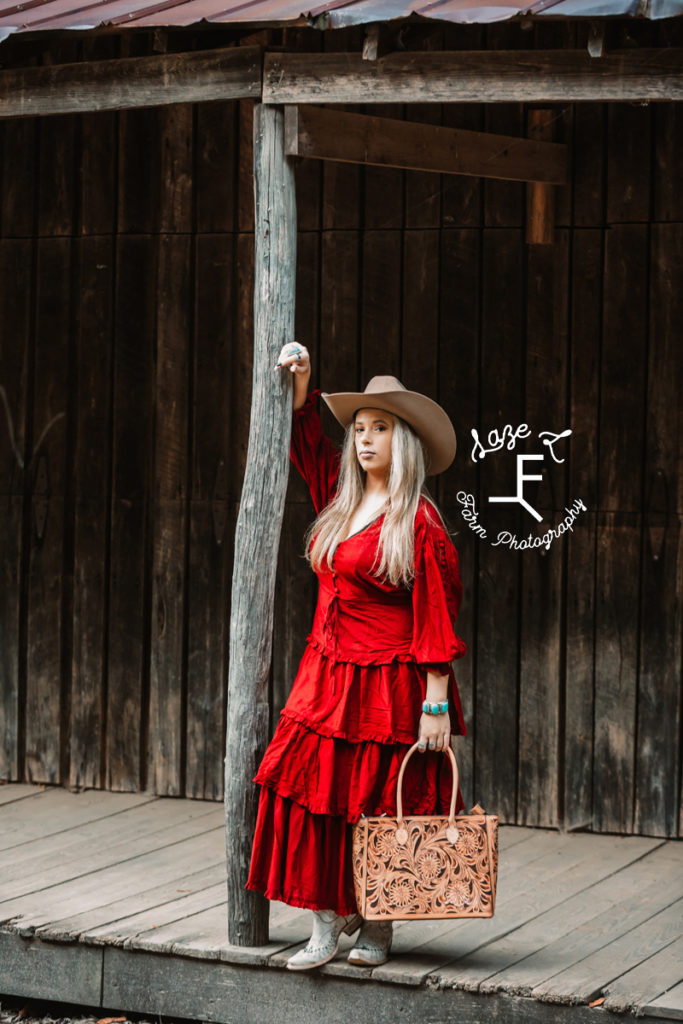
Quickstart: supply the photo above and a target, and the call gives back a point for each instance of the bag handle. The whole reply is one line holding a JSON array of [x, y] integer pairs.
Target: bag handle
[[454, 795]]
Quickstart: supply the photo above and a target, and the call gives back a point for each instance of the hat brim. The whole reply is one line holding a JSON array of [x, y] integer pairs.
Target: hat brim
[[429, 421]]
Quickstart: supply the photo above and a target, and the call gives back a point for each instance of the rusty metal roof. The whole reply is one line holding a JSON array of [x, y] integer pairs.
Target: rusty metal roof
[[32, 15]]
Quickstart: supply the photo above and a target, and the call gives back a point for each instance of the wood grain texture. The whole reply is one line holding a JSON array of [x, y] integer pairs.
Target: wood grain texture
[[540, 197], [542, 664], [90, 467], [474, 77], [328, 134], [458, 356], [166, 753], [214, 178], [20, 158], [580, 595], [498, 607], [658, 752], [15, 312], [212, 517], [147, 81], [260, 517], [131, 460], [46, 630]]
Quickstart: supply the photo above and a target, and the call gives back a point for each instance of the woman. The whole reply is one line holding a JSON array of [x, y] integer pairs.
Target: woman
[[376, 673]]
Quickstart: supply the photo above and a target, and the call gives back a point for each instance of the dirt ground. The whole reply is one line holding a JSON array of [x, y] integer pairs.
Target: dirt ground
[[28, 1011]]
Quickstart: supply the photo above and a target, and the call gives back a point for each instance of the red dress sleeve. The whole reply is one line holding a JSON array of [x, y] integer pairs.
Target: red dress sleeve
[[437, 593], [313, 454]]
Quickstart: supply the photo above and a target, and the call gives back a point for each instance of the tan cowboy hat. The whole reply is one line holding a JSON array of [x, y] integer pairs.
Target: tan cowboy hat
[[429, 421]]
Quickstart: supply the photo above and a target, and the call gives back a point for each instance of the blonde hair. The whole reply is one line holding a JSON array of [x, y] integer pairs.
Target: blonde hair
[[405, 485]]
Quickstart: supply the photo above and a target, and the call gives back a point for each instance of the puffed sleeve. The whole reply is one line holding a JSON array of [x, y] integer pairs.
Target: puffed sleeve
[[437, 593], [313, 453]]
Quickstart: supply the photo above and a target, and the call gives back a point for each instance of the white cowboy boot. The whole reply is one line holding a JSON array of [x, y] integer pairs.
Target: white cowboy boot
[[324, 941], [372, 945]]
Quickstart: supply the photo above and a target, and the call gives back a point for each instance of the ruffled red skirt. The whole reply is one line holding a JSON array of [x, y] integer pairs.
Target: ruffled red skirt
[[320, 775]]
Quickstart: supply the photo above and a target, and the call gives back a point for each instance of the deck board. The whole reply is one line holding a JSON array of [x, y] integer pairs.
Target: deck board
[[669, 1004], [49, 861], [130, 890], [589, 977], [529, 955], [647, 980]]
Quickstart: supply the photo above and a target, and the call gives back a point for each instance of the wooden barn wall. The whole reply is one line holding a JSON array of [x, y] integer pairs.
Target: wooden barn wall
[[125, 366]]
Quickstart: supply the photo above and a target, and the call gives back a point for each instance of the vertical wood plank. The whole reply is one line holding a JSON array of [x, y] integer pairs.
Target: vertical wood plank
[[242, 362], [498, 594], [381, 305], [459, 329], [215, 174], [658, 752], [461, 194], [46, 627], [169, 519], [586, 315], [542, 576], [668, 159], [628, 162], [139, 171], [419, 342], [339, 342], [423, 189], [295, 588], [128, 651], [540, 198], [616, 664], [19, 157], [211, 518], [57, 175], [588, 162], [383, 186], [624, 364], [174, 136], [16, 259], [245, 166], [621, 451], [97, 156], [91, 474], [420, 315], [260, 516]]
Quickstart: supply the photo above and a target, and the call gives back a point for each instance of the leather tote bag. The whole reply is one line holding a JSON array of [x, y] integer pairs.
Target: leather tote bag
[[426, 866]]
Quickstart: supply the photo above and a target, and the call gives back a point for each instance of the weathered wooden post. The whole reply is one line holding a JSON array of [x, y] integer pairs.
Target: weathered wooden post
[[260, 516]]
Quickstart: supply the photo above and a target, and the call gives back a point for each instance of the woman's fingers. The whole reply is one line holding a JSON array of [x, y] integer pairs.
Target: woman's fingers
[[434, 733], [295, 356]]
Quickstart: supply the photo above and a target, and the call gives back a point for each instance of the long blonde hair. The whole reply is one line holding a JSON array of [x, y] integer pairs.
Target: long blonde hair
[[405, 485]]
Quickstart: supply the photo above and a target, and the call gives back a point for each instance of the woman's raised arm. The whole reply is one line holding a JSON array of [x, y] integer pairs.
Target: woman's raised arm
[[296, 357]]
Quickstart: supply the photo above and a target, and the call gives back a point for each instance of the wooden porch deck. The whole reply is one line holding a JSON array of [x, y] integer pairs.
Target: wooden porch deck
[[118, 901]]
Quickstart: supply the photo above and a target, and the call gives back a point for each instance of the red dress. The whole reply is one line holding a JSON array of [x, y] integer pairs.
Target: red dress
[[356, 701]]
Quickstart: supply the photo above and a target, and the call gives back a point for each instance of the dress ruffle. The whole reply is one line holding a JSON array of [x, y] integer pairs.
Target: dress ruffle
[[380, 703], [300, 858], [332, 776]]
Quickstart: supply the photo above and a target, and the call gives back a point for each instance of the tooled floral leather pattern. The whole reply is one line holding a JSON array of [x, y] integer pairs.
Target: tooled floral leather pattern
[[428, 875]]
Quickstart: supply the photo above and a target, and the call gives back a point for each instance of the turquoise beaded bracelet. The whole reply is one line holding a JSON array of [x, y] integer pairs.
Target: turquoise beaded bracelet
[[435, 709]]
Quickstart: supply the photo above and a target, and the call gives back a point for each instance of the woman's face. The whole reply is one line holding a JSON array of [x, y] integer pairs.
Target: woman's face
[[373, 430]]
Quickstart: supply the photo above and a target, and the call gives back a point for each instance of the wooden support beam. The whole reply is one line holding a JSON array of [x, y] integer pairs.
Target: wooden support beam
[[495, 76], [540, 198], [386, 142], [129, 82], [259, 522]]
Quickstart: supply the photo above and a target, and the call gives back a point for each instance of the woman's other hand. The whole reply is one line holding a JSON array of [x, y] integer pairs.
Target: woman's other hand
[[297, 359], [434, 732]]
